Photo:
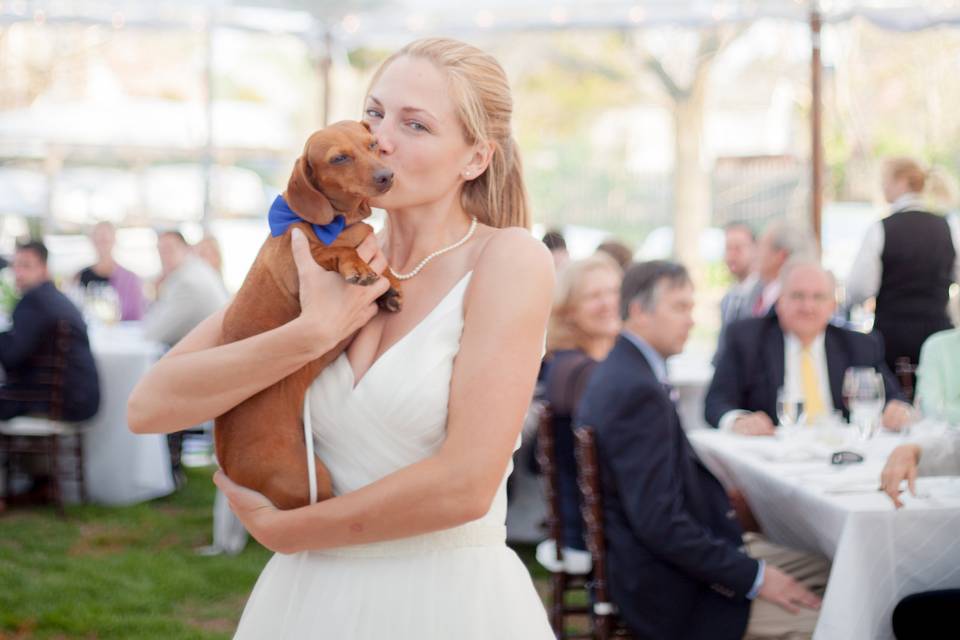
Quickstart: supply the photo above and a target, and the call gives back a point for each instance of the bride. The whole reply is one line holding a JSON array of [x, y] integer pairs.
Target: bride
[[417, 420]]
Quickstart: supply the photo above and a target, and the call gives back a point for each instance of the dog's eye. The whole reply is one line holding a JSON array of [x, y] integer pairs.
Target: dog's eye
[[373, 145], [340, 159]]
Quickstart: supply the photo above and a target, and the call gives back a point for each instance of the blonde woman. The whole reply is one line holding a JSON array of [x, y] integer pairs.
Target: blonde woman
[[584, 324], [907, 261], [418, 419]]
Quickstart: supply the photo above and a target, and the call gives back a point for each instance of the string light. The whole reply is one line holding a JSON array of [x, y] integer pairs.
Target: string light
[[117, 21], [559, 15], [484, 19], [636, 14], [350, 23]]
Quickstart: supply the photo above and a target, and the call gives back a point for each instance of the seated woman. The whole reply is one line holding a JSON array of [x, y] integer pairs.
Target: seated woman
[[584, 324], [938, 377], [106, 272]]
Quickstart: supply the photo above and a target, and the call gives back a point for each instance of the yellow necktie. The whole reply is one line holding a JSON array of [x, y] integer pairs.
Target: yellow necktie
[[812, 400]]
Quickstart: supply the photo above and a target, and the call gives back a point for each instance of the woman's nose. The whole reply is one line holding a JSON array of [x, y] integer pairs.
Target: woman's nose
[[384, 138]]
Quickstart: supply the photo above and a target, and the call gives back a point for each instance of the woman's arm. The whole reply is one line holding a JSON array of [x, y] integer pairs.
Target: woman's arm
[[493, 378], [198, 380]]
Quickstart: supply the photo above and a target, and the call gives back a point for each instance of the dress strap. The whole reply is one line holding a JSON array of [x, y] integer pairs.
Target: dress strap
[[311, 459]]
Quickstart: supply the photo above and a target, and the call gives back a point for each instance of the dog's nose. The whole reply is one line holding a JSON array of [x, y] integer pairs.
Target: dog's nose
[[383, 178]]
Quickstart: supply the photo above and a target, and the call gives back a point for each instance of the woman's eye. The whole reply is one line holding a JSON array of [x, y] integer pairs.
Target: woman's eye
[[340, 159], [416, 126], [373, 113]]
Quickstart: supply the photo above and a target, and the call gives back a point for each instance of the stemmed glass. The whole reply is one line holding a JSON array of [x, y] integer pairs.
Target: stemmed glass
[[789, 412], [864, 396]]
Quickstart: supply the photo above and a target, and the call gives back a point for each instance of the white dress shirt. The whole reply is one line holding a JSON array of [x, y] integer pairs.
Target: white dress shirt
[[792, 379], [864, 279]]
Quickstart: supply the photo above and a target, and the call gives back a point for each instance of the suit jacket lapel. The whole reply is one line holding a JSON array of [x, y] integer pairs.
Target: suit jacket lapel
[[773, 354], [837, 363]]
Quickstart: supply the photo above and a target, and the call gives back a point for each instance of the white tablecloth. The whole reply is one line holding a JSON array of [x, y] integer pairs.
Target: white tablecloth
[[121, 467], [879, 554]]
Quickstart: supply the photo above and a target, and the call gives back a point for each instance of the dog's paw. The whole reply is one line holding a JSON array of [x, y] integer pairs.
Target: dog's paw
[[391, 301], [363, 279]]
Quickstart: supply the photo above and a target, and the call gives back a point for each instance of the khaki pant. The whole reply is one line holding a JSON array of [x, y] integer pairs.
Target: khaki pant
[[769, 621]]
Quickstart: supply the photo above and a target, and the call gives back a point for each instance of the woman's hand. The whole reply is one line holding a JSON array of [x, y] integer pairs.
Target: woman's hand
[[261, 518], [901, 465], [331, 308]]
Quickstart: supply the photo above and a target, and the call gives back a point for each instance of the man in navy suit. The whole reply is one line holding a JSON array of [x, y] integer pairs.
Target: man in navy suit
[[675, 559], [798, 350], [45, 354]]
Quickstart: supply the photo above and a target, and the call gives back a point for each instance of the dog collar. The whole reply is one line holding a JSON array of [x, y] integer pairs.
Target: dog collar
[[281, 216]]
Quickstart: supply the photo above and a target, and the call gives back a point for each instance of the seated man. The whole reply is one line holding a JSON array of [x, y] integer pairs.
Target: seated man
[[930, 614], [798, 349], [191, 290], [675, 560], [938, 377], [45, 355]]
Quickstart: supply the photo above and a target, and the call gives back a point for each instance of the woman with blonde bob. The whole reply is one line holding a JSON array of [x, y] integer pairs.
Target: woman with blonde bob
[[584, 325], [907, 261], [417, 420]]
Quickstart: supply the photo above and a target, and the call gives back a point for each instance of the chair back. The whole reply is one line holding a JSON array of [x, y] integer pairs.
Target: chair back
[[562, 583], [606, 623], [906, 372], [546, 459]]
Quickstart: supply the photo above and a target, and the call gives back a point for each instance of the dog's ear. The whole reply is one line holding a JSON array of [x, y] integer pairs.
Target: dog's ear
[[304, 198]]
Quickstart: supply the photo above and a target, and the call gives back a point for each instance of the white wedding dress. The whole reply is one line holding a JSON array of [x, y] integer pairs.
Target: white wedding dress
[[462, 583]]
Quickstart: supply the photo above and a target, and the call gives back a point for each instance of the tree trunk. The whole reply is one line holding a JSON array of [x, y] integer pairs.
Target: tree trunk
[[691, 175]]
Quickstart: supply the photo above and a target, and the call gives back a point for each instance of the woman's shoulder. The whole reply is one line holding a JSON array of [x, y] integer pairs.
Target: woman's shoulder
[[513, 251]]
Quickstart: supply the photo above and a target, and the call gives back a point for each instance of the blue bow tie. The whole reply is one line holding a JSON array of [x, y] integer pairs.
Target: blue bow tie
[[281, 216]]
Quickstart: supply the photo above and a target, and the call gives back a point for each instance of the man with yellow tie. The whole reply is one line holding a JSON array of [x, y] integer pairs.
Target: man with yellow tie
[[796, 350]]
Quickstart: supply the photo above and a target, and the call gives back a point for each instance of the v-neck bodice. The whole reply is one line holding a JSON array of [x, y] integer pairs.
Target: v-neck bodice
[[397, 413]]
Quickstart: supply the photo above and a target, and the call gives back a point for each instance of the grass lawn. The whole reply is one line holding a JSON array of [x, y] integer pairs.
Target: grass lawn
[[128, 572]]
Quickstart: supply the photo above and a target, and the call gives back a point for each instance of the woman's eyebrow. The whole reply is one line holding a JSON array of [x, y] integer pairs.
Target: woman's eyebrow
[[407, 110]]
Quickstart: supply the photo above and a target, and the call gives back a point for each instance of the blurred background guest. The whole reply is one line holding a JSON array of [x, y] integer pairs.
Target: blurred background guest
[[796, 349], [208, 249], [189, 292], [106, 272], [583, 325], [907, 261], [46, 354], [938, 377], [739, 254], [619, 251], [555, 241], [779, 242]]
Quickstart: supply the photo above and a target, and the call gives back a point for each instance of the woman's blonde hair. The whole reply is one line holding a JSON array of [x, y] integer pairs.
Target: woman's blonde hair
[[479, 88], [561, 333], [906, 169]]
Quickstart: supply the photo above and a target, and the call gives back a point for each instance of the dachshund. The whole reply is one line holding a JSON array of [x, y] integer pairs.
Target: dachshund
[[260, 442]]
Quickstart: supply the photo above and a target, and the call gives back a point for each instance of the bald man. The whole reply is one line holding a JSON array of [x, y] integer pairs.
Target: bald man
[[798, 349]]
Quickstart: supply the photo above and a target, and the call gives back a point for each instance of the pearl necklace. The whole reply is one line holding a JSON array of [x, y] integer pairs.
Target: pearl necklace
[[438, 252]]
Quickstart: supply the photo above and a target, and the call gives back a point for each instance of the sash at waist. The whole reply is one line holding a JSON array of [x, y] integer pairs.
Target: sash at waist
[[471, 534]]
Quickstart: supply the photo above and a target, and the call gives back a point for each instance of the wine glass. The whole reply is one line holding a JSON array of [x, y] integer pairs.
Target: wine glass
[[789, 409], [864, 396]]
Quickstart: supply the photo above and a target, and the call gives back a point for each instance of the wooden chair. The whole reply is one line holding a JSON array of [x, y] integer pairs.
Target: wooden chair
[[906, 373], [563, 585], [48, 436], [605, 622]]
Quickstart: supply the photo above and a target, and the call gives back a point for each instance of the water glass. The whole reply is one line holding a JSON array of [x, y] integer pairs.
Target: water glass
[[789, 409], [865, 397]]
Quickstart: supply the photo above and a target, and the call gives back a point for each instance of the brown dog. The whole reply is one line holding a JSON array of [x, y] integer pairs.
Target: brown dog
[[260, 442]]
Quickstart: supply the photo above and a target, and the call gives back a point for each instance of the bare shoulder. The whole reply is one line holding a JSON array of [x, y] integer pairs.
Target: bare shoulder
[[513, 255]]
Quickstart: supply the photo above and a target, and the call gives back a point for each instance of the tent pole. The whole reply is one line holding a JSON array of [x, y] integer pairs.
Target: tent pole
[[816, 143]]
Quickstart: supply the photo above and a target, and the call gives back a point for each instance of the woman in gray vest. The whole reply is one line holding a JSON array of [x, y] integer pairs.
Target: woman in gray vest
[[907, 261]]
